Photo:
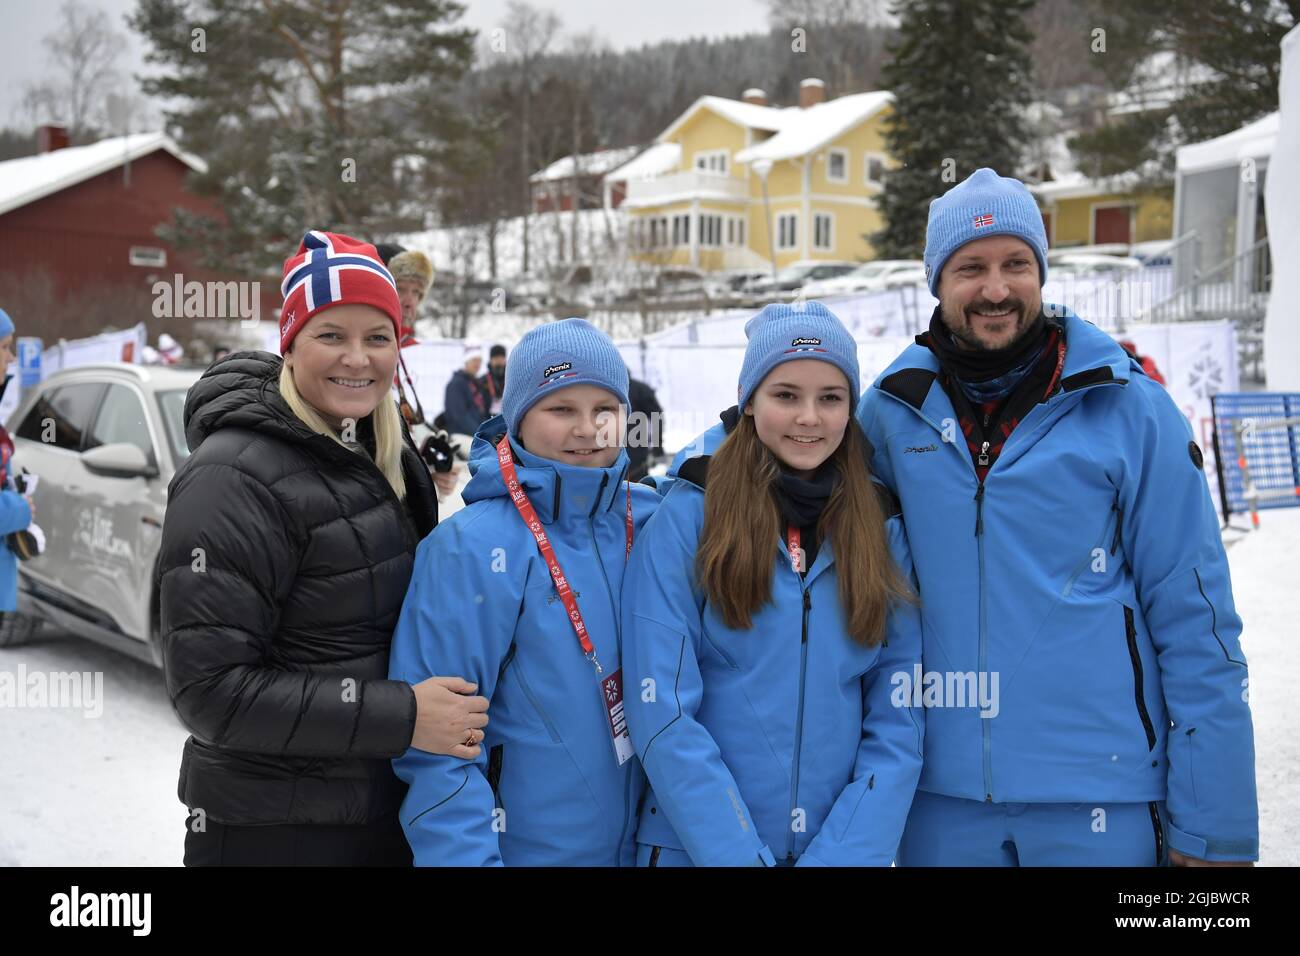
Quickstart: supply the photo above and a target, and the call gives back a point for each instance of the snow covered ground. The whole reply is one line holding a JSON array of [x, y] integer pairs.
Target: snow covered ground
[[102, 791]]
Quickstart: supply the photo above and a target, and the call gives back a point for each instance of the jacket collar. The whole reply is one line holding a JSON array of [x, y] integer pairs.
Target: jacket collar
[[1091, 358], [558, 491]]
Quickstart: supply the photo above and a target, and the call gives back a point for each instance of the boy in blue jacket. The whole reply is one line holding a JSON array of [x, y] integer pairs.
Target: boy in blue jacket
[[768, 619], [519, 593]]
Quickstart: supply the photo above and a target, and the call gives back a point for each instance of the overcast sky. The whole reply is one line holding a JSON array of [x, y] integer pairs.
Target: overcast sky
[[623, 23]]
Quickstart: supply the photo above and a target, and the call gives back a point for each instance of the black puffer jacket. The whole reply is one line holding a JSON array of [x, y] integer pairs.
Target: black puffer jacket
[[275, 635]]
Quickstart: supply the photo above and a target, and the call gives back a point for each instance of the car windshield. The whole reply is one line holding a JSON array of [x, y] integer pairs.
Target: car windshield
[[790, 273], [869, 271], [172, 405]]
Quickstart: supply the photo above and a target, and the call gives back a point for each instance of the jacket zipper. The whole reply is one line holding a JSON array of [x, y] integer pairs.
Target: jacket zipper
[[1101, 543], [618, 635], [532, 698], [979, 535], [798, 727], [495, 759], [985, 731], [1130, 632], [1159, 832]]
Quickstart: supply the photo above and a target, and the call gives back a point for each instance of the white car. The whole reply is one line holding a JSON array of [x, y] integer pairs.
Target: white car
[[1079, 263], [867, 277]]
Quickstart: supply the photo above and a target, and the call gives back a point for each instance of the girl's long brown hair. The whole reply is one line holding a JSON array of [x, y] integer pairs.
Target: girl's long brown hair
[[742, 525]]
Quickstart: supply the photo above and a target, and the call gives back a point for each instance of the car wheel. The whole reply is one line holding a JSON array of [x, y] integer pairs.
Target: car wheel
[[17, 629]]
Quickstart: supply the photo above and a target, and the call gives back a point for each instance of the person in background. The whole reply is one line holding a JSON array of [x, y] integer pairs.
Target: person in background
[[645, 428], [1146, 361], [16, 509], [465, 406], [413, 273], [493, 381], [170, 352]]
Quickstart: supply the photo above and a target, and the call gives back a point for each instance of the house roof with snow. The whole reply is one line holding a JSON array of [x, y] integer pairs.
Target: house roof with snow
[[749, 115], [803, 131], [658, 159], [29, 178], [589, 164]]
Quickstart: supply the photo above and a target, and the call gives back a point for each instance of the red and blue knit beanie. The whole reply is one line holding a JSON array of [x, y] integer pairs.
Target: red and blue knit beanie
[[331, 269]]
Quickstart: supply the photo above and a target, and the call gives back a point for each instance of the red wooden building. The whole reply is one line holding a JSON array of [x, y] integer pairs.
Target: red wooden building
[[78, 245]]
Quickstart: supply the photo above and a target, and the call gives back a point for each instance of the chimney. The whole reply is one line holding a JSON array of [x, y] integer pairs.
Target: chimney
[[811, 92], [754, 95], [50, 138]]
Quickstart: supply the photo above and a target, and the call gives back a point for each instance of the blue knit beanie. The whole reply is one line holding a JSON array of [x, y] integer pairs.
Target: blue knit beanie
[[985, 204], [6, 324], [786, 332], [556, 355]]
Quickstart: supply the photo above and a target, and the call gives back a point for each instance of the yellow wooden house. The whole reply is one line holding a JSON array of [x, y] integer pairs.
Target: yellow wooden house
[[740, 184], [1079, 211]]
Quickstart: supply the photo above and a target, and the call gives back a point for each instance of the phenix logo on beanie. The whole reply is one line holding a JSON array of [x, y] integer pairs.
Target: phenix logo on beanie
[[555, 355], [331, 269], [785, 333]]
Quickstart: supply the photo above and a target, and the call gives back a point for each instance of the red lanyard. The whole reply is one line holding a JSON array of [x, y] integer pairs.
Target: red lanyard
[[793, 538], [529, 514]]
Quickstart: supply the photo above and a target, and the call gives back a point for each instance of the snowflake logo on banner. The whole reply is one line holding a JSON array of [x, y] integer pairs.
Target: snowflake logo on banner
[[1206, 377]]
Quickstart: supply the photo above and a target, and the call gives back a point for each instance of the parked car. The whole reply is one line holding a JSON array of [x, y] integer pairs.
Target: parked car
[[865, 278], [737, 279], [1061, 263], [684, 282], [794, 276], [105, 441]]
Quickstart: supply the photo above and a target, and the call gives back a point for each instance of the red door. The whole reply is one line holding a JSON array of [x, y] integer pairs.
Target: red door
[[1111, 225]]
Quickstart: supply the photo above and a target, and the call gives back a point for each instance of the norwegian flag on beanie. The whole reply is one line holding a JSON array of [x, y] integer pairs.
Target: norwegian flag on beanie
[[332, 269]]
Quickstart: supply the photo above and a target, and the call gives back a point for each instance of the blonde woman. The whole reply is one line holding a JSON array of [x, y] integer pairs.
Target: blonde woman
[[290, 536]]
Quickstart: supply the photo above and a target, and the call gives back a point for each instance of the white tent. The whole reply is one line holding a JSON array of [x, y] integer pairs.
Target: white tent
[[1216, 195], [1282, 203]]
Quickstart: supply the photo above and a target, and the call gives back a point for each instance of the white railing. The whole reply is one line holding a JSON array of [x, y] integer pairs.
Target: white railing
[[691, 183]]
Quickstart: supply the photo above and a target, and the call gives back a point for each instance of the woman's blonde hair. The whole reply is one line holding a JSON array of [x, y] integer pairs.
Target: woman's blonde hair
[[388, 430], [736, 559]]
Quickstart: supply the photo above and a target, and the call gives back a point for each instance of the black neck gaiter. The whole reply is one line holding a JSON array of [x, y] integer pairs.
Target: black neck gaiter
[[983, 365]]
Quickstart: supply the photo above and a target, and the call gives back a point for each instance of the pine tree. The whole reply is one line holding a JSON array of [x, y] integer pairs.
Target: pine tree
[[960, 79], [326, 114], [1229, 55]]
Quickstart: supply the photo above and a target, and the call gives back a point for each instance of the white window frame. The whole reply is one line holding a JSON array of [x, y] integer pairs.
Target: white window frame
[[151, 257], [829, 218], [843, 179], [713, 162], [866, 169], [711, 230], [735, 232], [781, 244], [682, 237]]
